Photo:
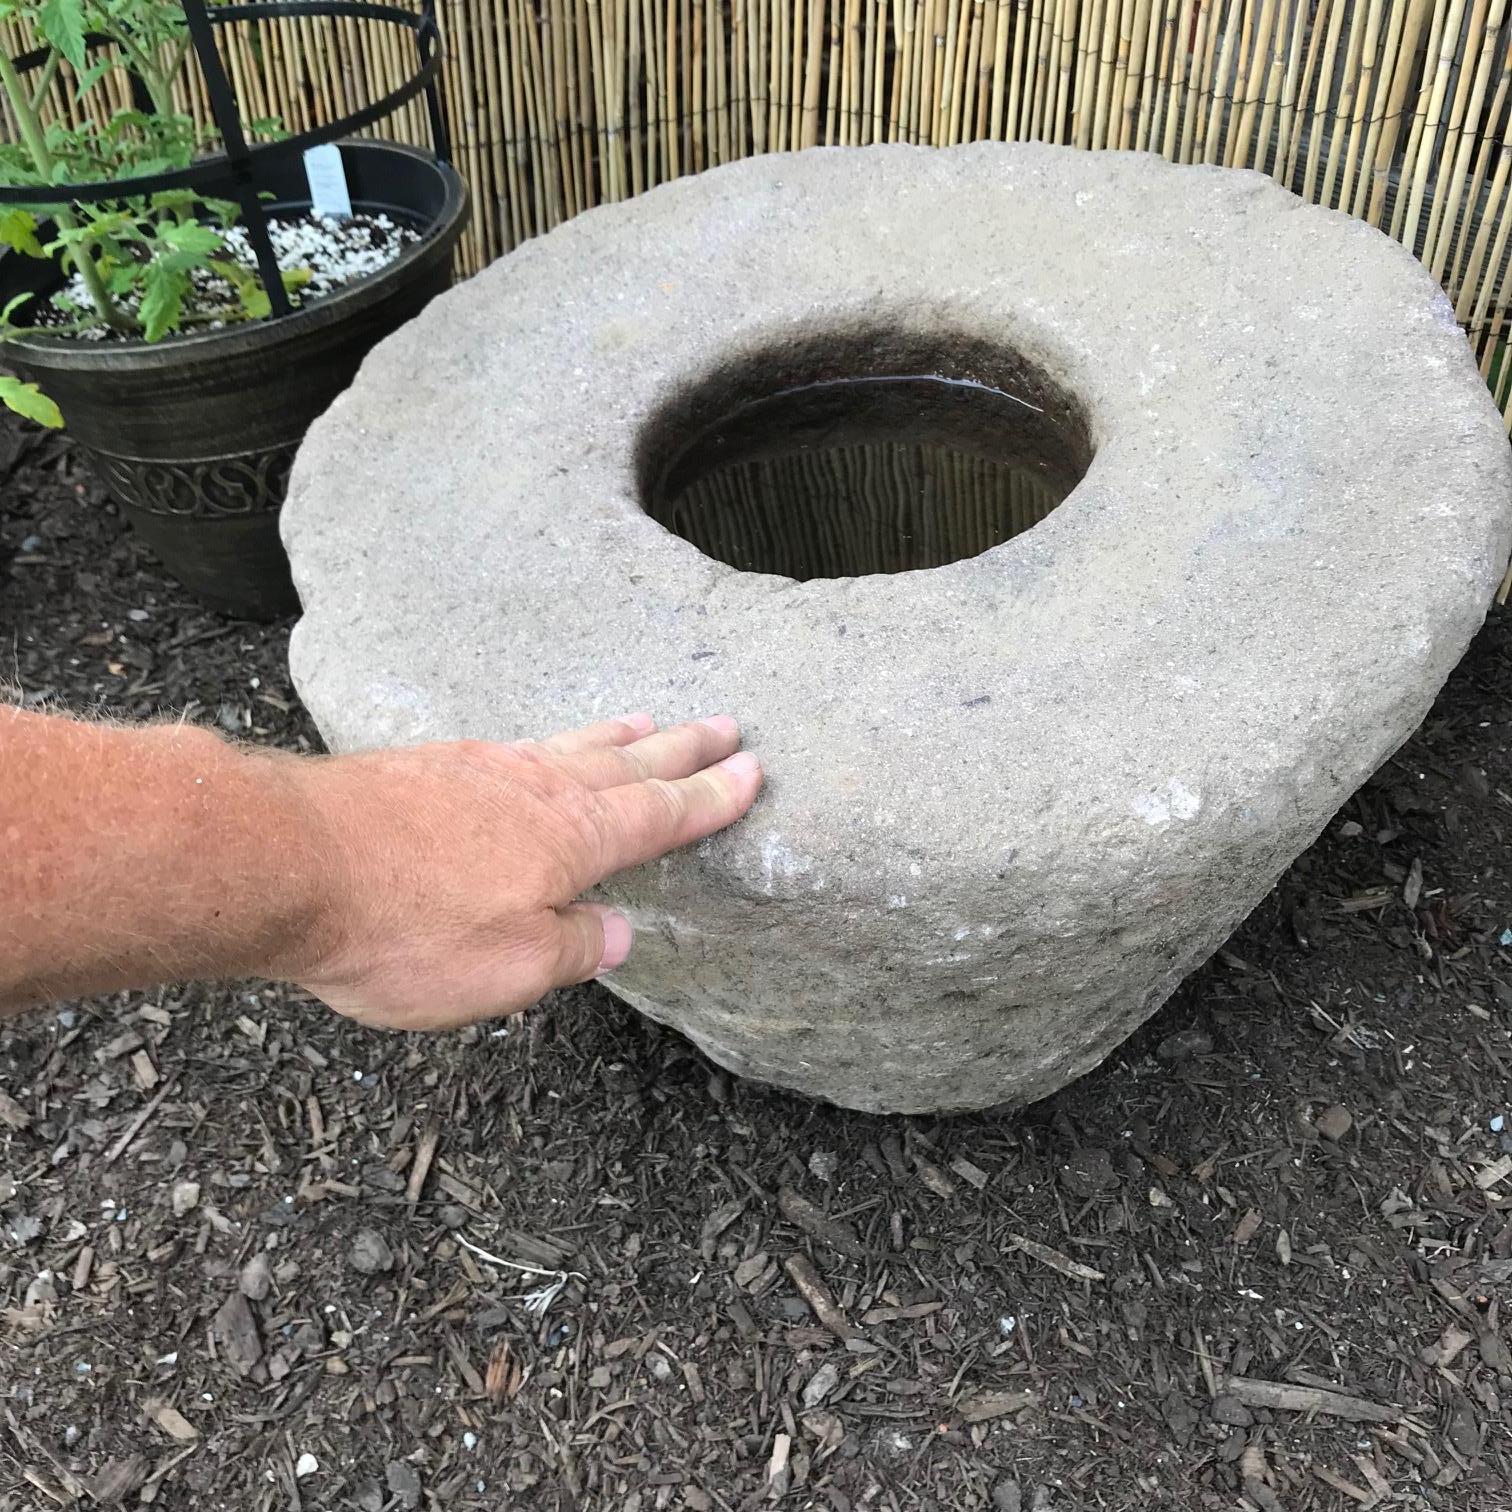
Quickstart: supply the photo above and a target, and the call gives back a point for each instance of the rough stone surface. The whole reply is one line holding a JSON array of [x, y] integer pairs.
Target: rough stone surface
[[1014, 800]]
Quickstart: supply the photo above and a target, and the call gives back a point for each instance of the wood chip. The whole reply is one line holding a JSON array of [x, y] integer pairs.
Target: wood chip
[[122, 1044], [1281, 1396], [425, 1152], [994, 1404], [751, 1269], [535, 1250], [818, 1296], [802, 1213], [1354, 1492], [1055, 1260], [1373, 1477], [170, 1420], [12, 1113], [935, 1179], [256, 1278], [1488, 1176], [53, 1492], [139, 1123], [779, 1475], [720, 1219], [892, 1152], [1247, 1227], [893, 1314], [117, 1479], [819, 1385], [458, 1191], [503, 1377], [969, 1172], [235, 1330]]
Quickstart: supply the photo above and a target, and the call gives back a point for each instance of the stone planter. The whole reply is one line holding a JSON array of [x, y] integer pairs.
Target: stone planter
[[1013, 797]]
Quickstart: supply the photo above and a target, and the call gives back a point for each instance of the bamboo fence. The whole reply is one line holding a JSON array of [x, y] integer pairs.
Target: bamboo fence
[[1396, 111]]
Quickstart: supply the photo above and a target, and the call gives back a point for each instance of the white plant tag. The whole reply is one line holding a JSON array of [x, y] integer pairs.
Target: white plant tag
[[329, 196]]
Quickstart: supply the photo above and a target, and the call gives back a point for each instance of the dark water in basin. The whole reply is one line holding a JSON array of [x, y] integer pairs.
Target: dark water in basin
[[867, 475]]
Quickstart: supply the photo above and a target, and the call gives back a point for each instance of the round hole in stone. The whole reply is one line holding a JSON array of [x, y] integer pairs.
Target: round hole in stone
[[847, 459]]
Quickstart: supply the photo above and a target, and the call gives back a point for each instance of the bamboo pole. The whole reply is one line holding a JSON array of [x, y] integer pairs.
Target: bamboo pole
[[1346, 96], [1419, 146], [1467, 106], [1478, 177]]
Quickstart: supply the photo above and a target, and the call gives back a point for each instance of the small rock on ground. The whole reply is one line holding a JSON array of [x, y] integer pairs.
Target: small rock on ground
[[1185, 1044], [369, 1253]]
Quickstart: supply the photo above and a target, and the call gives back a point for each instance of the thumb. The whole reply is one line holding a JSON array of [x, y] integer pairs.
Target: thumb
[[591, 939]]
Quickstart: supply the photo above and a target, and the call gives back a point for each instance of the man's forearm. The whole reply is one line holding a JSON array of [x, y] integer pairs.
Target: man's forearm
[[148, 854], [416, 888]]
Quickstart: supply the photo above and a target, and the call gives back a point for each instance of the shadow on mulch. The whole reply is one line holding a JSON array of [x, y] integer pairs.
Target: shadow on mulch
[[252, 1256]]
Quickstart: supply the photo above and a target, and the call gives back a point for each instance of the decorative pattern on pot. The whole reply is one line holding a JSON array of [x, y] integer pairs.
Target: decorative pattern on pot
[[217, 489]]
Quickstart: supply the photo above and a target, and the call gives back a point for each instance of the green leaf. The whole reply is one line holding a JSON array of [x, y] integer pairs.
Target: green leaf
[[251, 295], [61, 23], [163, 300], [28, 400], [254, 301], [90, 76], [191, 238], [172, 200], [18, 230]]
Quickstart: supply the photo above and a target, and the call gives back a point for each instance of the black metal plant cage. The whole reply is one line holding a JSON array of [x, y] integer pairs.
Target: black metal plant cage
[[195, 435], [235, 173]]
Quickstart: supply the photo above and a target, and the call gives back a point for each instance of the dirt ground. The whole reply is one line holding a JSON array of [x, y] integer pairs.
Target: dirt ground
[[252, 1256]]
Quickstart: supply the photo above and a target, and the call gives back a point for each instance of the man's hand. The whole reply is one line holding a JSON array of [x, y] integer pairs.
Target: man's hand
[[460, 863], [414, 889]]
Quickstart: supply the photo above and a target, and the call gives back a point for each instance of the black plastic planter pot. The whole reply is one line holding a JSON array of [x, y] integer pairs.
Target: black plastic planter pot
[[194, 435]]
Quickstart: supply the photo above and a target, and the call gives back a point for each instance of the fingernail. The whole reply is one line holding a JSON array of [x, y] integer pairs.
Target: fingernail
[[618, 936], [640, 722], [742, 764], [722, 723]]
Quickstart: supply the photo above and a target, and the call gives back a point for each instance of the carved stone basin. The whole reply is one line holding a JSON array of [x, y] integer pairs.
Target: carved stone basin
[[1221, 504]]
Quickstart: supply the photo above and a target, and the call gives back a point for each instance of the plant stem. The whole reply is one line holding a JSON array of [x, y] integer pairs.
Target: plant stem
[[35, 142], [49, 72], [147, 65]]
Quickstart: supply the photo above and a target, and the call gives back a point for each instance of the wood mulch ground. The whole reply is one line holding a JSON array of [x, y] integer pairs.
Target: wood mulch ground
[[253, 1256]]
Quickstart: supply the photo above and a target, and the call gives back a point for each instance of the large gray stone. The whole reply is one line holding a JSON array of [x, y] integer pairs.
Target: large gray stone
[[1011, 801]]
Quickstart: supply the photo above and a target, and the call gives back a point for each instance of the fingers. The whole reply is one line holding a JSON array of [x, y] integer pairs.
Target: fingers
[[642, 820], [605, 735], [666, 755], [590, 940]]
